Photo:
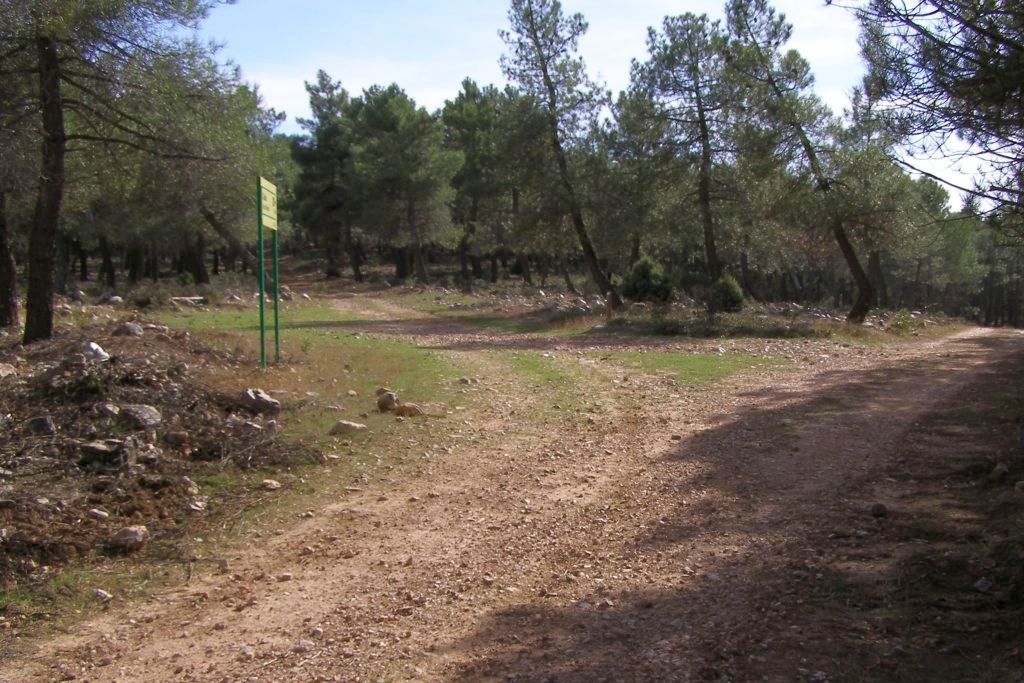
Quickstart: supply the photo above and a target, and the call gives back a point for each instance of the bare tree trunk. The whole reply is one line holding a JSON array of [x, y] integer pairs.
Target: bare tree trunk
[[42, 239], [8, 274], [524, 267], [568, 278], [420, 262], [589, 253], [714, 266], [634, 249]]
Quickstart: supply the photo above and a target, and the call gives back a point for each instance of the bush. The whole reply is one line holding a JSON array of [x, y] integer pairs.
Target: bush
[[726, 294], [646, 281]]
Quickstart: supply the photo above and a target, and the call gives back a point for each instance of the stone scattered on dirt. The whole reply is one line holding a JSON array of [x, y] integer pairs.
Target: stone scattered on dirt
[[96, 513], [258, 401], [102, 595], [41, 425], [94, 352], [270, 484], [129, 539], [352, 392], [128, 329], [141, 416], [343, 427], [7, 370]]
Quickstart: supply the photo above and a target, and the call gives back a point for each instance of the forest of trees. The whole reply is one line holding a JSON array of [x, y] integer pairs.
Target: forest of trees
[[124, 141]]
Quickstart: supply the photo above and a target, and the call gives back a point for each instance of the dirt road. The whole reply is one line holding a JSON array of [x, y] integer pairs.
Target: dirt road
[[665, 537]]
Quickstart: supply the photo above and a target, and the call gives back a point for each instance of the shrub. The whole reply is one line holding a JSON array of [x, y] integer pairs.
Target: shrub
[[646, 281], [726, 294]]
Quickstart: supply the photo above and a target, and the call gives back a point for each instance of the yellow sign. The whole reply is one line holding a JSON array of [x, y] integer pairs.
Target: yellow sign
[[268, 204]]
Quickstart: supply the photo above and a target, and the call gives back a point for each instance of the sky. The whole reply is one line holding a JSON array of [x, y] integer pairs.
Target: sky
[[428, 47]]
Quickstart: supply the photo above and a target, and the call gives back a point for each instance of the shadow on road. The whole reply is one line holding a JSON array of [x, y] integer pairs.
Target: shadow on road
[[766, 560]]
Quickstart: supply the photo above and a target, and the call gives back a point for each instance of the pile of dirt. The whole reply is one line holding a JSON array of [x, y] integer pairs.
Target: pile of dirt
[[107, 427]]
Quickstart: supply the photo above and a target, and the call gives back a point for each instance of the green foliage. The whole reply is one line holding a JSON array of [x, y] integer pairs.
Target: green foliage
[[726, 294], [646, 281]]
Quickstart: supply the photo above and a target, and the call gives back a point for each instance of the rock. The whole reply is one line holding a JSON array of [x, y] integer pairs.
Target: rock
[[303, 646], [94, 352], [246, 652], [983, 585], [271, 484], [7, 370], [408, 410], [41, 425], [96, 513], [141, 416], [285, 576], [352, 392], [128, 329], [342, 427], [102, 595], [129, 539], [258, 401], [114, 300], [108, 410], [465, 380], [190, 486], [879, 510], [386, 401], [677, 437], [999, 472], [176, 439], [108, 454]]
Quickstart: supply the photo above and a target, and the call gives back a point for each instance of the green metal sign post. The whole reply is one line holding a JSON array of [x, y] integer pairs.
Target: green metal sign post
[[266, 198]]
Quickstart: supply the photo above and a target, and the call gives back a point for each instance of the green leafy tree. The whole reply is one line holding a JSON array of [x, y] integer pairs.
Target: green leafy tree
[[687, 76], [474, 126], [543, 43], [96, 64], [326, 200], [403, 173], [777, 82], [947, 69]]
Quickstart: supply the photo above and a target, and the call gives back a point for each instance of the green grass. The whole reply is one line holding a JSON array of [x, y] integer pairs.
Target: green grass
[[692, 370]]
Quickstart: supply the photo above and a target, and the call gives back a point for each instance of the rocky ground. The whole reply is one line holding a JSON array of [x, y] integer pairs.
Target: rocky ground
[[103, 432], [840, 517]]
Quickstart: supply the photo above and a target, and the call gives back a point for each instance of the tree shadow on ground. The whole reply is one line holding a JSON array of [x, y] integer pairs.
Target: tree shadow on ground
[[768, 561]]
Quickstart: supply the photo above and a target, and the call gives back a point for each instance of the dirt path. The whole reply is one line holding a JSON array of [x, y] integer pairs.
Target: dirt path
[[659, 540]]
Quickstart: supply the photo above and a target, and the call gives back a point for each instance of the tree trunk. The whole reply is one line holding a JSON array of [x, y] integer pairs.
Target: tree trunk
[[419, 261], [134, 262], [107, 272], [225, 234], [494, 268], [634, 249], [714, 266], [604, 285], [568, 278], [355, 255], [866, 293], [197, 261], [8, 274], [216, 261], [83, 262], [877, 277], [524, 266], [42, 239]]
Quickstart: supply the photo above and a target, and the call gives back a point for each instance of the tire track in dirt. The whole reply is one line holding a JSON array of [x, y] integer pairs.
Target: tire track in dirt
[[563, 551]]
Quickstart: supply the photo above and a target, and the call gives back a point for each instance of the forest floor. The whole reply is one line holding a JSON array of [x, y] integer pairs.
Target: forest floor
[[595, 507]]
